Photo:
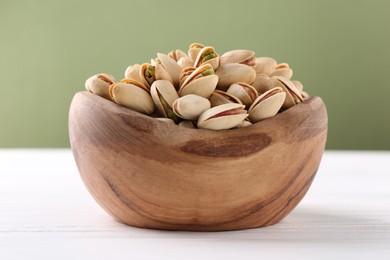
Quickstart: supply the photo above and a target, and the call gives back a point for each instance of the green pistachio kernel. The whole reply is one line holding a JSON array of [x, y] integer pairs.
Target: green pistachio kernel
[[208, 72], [208, 55]]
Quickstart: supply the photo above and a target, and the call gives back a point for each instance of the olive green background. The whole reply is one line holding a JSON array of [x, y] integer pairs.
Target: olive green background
[[339, 50]]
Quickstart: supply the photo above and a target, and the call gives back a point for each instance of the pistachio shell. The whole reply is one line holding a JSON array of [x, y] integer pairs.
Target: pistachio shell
[[133, 72], [262, 83], [161, 73], [99, 84], [267, 105], [164, 94], [185, 62], [187, 124], [198, 84], [194, 50], [171, 66], [147, 74], [244, 123], [190, 106], [234, 72], [265, 65], [177, 54], [219, 97], [282, 66], [284, 72], [132, 95], [221, 117], [298, 85], [293, 95], [245, 92], [201, 56], [238, 56]]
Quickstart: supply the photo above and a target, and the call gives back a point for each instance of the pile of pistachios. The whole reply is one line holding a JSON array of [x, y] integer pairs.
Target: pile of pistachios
[[202, 89]]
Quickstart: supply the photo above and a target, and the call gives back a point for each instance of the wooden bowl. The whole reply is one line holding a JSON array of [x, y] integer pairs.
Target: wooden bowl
[[153, 174]]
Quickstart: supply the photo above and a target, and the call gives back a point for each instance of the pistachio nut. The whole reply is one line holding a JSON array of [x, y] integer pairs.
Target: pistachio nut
[[219, 97], [298, 85], [177, 54], [202, 81], [207, 55], [234, 72], [265, 65], [171, 66], [187, 124], [161, 72], [190, 106], [194, 49], [133, 72], [132, 94], [262, 83], [283, 70], [293, 95], [221, 117], [267, 105], [238, 56], [147, 74], [99, 84], [185, 62], [164, 94], [244, 123], [245, 92]]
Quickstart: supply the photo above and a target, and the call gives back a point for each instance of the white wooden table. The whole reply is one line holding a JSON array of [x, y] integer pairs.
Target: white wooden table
[[46, 213]]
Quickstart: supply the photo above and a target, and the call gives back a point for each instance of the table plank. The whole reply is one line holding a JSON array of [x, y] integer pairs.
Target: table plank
[[46, 213]]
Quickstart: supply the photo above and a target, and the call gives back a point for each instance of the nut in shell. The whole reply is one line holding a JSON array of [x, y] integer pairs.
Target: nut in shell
[[164, 94], [207, 55], [245, 57], [171, 66], [293, 95], [202, 81], [222, 117], [234, 72], [265, 65], [219, 97], [266, 105], [99, 84], [190, 106], [194, 49], [243, 91]]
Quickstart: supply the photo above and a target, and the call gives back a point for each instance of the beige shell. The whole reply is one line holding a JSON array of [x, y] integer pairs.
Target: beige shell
[[234, 72], [190, 106], [194, 49], [164, 94], [177, 54], [245, 92], [162, 73], [298, 85], [238, 56], [221, 117], [244, 123], [185, 62], [133, 72], [219, 97], [147, 78], [171, 66], [99, 84], [267, 105], [133, 95], [293, 95], [284, 72], [262, 83], [265, 65], [202, 86], [213, 62]]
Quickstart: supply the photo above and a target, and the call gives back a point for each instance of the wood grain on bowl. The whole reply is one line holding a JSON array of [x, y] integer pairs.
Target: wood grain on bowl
[[153, 174]]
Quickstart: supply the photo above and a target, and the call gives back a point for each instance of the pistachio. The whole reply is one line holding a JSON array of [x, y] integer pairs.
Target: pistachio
[[267, 105], [190, 106], [171, 66], [245, 92], [293, 95], [283, 70], [133, 72], [234, 72], [132, 94], [262, 83], [219, 97], [207, 55], [161, 72], [147, 74], [245, 57], [201, 81], [221, 117], [265, 65], [194, 49], [99, 84], [187, 124], [185, 62], [244, 123], [177, 54], [185, 73], [298, 85], [164, 94]]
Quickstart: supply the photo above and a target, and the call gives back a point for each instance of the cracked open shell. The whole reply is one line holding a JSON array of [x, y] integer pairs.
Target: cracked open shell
[[222, 117], [283, 70], [164, 94], [265, 65], [245, 92], [234, 72], [99, 84], [293, 95], [161, 72], [147, 74], [267, 105], [171, 66], [132, 94], [207, 55], [194, 49], [190, 106], [177, 54], [238, 56], [133, 72], [219, 97], [202, 81]]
